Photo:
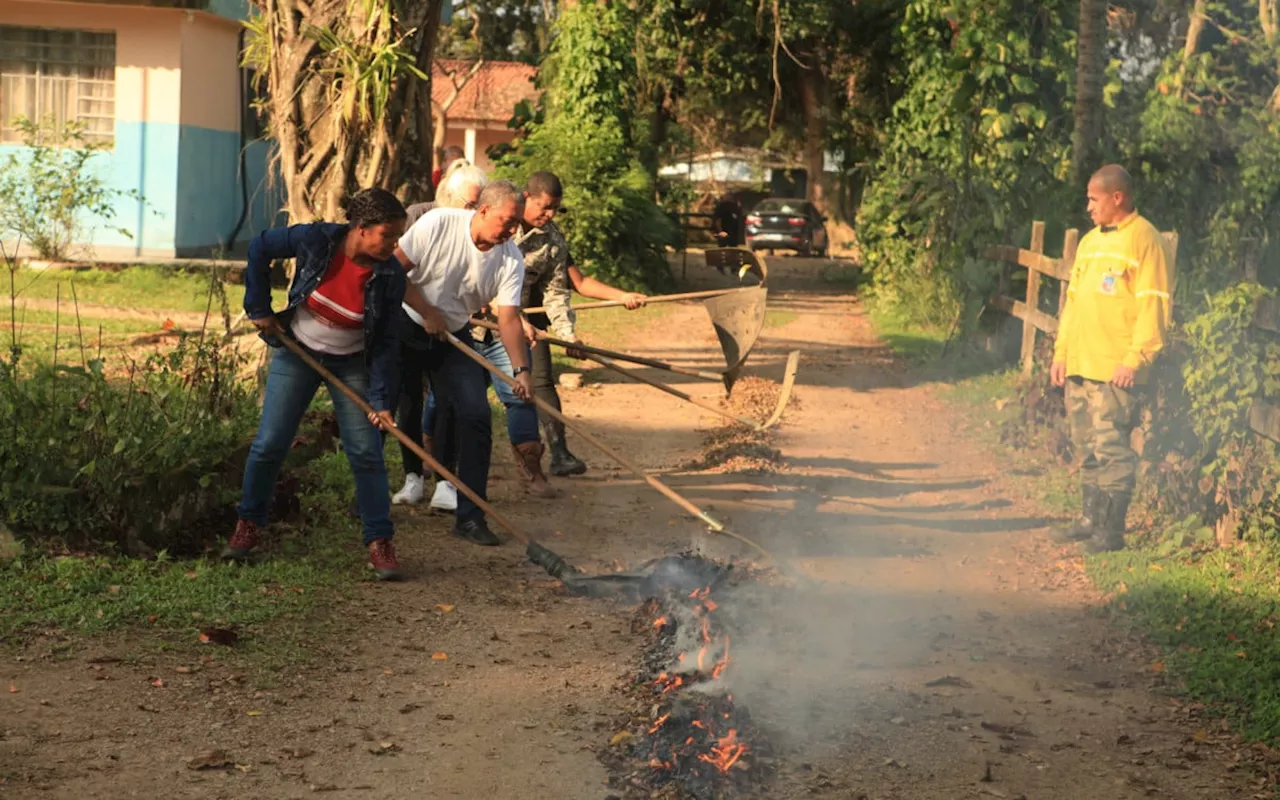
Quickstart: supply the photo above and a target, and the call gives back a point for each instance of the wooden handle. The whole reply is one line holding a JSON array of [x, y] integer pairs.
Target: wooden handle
[[671, 390], [552, 412], [717, 377], [660, 298], [417, 449]]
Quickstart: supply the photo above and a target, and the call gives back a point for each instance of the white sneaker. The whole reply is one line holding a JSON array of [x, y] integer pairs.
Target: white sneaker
[[411, 494], [445, 497]]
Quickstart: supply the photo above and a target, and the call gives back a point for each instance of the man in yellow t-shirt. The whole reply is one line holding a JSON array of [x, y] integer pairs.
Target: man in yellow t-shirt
[[1112, 328]]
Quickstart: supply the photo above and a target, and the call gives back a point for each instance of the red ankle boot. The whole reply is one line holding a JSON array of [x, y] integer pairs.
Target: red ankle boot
[[382, 556], [246, 537]]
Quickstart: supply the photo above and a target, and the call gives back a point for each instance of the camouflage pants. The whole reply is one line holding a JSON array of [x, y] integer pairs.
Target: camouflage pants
[[1102, 417]]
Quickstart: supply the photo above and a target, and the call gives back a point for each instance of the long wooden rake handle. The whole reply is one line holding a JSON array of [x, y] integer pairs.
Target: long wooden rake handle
[[718, 377], [417, 449], [671, 390], [597, 355], [659, 298], [711, 522]]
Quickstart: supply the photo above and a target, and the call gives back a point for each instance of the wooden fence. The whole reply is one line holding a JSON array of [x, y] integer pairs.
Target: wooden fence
[[1039, 266]]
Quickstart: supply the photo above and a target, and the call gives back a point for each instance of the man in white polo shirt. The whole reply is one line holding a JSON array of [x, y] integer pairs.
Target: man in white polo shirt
[[459, 261]]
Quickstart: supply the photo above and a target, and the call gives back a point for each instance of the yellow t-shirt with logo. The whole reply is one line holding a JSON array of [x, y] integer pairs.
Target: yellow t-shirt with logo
[[1118, 302]]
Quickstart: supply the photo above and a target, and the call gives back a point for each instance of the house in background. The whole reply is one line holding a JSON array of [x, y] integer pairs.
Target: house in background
[[477, 118], [158, 82], [159, 85]]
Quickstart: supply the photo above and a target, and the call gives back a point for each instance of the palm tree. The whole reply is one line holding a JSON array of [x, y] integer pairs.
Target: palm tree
[[1091, 69]]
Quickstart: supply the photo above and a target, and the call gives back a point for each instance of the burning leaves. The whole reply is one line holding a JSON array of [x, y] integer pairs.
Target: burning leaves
[[686, 736]]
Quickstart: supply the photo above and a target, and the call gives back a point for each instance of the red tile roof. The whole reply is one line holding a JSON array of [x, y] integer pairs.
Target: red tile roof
[[492, 93]]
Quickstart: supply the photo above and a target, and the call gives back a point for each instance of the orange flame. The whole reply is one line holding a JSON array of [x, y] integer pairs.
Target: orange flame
[[726, 752], [723, 750], [722, 663]]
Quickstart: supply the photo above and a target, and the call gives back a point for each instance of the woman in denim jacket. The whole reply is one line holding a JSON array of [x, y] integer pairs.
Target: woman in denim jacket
[[346, 290]]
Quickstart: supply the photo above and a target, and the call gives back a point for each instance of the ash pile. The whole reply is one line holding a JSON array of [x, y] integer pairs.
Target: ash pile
[[683, 736]]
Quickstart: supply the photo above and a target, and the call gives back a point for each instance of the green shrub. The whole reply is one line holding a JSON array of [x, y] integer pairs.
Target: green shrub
[[131, 458], [587, 136], [1230, 365], [48, 189], [973, 151]]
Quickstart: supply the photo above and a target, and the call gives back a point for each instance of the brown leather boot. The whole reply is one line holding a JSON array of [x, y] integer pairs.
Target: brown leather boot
[[529, 461]]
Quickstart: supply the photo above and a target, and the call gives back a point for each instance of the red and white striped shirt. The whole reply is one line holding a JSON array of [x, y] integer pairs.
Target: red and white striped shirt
[[332, 318]]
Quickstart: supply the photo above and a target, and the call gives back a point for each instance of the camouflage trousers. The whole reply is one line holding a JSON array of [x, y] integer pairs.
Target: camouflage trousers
[[1102, 417]]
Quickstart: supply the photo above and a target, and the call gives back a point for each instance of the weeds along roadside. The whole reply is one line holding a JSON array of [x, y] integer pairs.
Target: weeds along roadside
[[119, 469]]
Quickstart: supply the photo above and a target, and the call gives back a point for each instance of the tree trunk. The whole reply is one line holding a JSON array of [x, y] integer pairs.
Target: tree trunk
[[1091, 70], [812, 86], [1195, 27], [335, 133], [1269, 21]]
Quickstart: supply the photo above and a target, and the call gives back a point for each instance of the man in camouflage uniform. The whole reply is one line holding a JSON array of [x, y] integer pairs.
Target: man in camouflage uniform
[[1113, 326], [550, 277]]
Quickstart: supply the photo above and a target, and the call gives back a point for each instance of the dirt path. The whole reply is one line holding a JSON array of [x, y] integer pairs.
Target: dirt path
[[156, 316], [922, 568]]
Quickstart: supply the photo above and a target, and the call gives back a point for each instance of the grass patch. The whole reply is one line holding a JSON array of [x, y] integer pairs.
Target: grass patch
[[988, 403], [142, 286], [609, 328], [1215, 616], [38, 329], [31, 318], [915, 344], [843, 274], [776, 318], [299, 571]]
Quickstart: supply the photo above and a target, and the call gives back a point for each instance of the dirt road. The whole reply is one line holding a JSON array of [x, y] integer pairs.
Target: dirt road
[[922, 570]]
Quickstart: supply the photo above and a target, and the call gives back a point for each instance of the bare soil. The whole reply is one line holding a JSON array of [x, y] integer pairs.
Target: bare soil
[[938, 647]]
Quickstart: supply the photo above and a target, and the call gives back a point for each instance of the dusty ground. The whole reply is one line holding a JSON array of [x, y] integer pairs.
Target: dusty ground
[[918, 567]]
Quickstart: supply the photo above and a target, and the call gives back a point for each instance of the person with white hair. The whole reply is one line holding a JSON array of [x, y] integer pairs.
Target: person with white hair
[[459, 262], [460, 188]]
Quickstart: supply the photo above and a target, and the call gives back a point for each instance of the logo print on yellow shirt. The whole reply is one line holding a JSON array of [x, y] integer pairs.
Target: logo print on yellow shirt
[[1108, 283]]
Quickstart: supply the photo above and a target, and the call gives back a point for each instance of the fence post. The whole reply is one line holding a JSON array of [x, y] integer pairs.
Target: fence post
[[1033, 301]]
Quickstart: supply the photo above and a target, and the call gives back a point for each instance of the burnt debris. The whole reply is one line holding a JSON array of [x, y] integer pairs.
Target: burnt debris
[[684, 737]]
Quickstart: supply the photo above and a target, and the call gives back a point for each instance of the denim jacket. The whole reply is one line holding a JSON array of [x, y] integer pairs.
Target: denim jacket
[[312, 246]]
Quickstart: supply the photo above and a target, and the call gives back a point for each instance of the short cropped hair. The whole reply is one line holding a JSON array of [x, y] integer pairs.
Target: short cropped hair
[[1114, 178], [544, 182]]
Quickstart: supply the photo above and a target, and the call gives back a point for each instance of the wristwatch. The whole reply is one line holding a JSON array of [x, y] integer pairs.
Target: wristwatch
[[516, 372]]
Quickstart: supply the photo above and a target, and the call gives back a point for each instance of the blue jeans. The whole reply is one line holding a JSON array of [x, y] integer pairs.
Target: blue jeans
[[291, 385], [522, 417]]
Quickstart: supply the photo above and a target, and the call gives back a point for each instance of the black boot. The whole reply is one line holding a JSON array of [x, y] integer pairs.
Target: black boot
[[476, 531], [1108, 532], [1082, 528], [562, 461]]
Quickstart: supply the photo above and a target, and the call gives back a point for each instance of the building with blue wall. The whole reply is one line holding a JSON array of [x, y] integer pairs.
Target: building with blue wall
[[159, 84]]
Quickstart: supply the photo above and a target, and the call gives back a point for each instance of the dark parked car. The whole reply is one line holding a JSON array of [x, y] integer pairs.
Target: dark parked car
[[780, 223]]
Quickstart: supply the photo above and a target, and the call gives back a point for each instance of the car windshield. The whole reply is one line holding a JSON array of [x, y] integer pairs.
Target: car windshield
[[780, 207]]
